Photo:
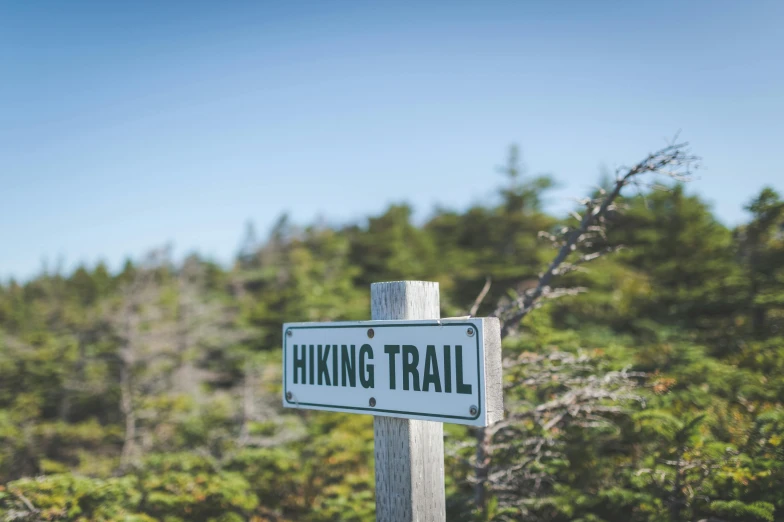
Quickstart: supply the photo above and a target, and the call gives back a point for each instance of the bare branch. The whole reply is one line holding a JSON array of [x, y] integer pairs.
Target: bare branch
[[674, 161], [480, 297], [29, 505]]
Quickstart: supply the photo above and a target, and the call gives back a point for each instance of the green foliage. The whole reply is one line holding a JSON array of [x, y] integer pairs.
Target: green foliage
[[737, 511], [71, 497], [166, 492]]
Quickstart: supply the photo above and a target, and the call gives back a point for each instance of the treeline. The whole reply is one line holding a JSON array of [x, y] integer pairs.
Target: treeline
[[651, 391]]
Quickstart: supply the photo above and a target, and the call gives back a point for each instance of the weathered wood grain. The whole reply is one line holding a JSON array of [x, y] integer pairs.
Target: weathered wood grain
[[494, 386], [409, 453]]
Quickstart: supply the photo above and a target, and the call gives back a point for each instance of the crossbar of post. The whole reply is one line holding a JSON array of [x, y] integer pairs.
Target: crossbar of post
[[409, 453]]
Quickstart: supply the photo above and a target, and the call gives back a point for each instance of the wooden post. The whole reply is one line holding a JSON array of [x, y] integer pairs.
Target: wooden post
[[409, 453]]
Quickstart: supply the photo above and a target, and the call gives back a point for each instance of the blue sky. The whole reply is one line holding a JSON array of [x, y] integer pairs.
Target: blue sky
[[125, 125]]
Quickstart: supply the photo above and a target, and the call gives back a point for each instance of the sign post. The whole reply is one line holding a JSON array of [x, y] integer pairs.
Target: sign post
[[409, 453], [412, 371]]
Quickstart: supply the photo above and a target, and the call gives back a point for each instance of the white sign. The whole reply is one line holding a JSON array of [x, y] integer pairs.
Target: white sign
[[427, 370]]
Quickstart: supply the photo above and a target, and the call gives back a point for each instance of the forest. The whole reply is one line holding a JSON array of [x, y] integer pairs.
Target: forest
[[643, 354]]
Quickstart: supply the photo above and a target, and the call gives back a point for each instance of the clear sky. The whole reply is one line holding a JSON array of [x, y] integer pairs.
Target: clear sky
[[125, 125]]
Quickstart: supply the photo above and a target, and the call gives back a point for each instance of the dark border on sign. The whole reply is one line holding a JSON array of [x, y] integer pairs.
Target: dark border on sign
[[372, 324]]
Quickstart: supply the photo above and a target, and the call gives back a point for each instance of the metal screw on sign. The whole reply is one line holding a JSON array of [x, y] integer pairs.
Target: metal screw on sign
[[470, 332], [289, 395], [288, 332], [473, 410], [372, 402], [371, 333]]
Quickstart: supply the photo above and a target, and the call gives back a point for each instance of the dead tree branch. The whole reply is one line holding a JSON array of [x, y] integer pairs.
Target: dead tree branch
[[480, 297], [506, 462], [674, 161]]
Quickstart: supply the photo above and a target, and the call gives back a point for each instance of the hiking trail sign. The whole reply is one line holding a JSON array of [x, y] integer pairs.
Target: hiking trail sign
[[426, 370], [410, 369]]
